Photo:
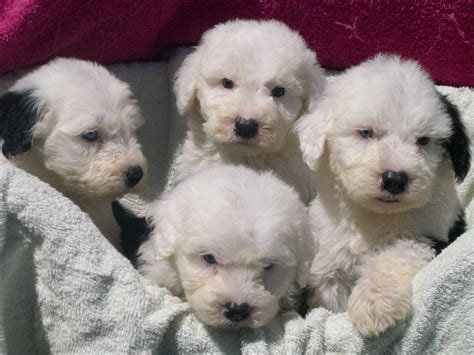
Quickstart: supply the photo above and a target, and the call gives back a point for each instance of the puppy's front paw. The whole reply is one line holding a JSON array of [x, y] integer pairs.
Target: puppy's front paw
[[372, 311]]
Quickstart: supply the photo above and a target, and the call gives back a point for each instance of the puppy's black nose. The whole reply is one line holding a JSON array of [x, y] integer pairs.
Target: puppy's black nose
[[134, 175], [394, 182], [246, 128], [237, 312]]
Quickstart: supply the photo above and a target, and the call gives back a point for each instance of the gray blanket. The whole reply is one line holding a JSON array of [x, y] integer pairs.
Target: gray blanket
[[64, 289]]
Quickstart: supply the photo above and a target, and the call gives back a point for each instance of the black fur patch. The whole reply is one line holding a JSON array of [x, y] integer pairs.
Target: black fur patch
[[134, 231], [303, 307], [458, 145], [455, 232], [19, 112]]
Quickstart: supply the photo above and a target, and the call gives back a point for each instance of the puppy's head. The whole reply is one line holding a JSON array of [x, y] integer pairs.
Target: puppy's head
[[73, 123], [249, 81], [387, 134], [239, 241]]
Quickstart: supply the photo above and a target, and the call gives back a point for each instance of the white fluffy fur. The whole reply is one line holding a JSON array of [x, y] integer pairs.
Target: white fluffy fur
[[75, 96], [256, 56], [370, 249], [246, 220]]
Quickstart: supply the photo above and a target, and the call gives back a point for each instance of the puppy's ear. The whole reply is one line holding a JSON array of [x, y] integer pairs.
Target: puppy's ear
[[315, 84], [164, 238], [19, 112], [162, 217], [185, 82], [458, 145], [311, 129], [306, 249]]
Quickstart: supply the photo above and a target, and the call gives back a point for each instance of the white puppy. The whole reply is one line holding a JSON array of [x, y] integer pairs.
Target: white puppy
[[72, 124], [243, 88], [388, 149], [233, 242]]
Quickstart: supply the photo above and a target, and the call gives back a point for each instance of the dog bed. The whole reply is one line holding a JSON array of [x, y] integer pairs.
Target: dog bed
[[64, 289]]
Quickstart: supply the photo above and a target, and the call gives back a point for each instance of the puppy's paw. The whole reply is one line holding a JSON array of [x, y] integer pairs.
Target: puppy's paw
[[372, 311]]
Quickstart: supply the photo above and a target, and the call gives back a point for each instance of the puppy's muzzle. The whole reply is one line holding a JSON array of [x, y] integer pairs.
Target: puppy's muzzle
[[237, 312], [246, 128], [133, 176], [394, 182]]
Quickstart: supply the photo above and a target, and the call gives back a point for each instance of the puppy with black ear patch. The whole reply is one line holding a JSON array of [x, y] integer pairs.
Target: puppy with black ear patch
[[72, 124], [388, 149]]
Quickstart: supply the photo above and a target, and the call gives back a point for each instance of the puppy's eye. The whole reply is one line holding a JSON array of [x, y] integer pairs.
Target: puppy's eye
[[90, 135], [423, 140], [209, 258], [268, 267], [278, 91], [366, 133], [227, 83]]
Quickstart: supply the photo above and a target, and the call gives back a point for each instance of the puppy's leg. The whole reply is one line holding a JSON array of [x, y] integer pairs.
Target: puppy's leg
[[333, 274], [382, 294], [330, 293]]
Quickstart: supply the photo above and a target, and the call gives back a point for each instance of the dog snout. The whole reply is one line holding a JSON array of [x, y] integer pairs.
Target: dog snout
[[134, 175], [246, 127], [394, 182], [237, 312]]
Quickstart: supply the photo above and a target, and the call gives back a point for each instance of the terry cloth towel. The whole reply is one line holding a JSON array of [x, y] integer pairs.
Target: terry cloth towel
[[64, 289]]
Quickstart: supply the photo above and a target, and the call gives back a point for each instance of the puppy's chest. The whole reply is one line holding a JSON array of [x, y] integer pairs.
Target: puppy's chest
[[368, 235], [342, 251], [292, 170], [287, 165]]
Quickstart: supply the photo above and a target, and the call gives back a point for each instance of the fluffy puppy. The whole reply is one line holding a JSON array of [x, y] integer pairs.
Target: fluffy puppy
[[72, 124], [233, 242], [243, 88], [388, 149]]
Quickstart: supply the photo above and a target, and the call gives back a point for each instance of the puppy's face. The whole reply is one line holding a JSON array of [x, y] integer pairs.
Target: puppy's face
[[251, 81], [240, 243], [83, 134], [231, 281], [389, 134], [388, 163], [94, 151]]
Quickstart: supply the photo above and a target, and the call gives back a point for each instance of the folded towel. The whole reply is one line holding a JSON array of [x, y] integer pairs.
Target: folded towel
[[65, 289]]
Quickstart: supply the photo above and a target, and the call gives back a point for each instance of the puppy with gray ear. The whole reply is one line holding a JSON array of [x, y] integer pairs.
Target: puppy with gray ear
[[233, 242], [72, 124], [388, 149], [242, 89]]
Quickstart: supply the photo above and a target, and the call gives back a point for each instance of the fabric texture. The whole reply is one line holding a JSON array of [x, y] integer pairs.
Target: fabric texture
[[64, 289], [439, 33]]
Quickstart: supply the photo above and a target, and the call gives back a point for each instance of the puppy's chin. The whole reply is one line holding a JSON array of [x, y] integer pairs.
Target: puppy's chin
[[106, 186], [244, 149], [362, 188], [208, 304], [390, 205], [223, 136], [110, 190]]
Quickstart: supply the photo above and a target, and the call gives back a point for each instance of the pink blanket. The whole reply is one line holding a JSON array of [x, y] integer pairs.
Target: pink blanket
[[439, 33]]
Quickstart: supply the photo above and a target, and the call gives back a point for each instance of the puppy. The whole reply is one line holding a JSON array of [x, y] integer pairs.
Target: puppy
[[388, 149], [72, 124], [243, 88], [233, 242]]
